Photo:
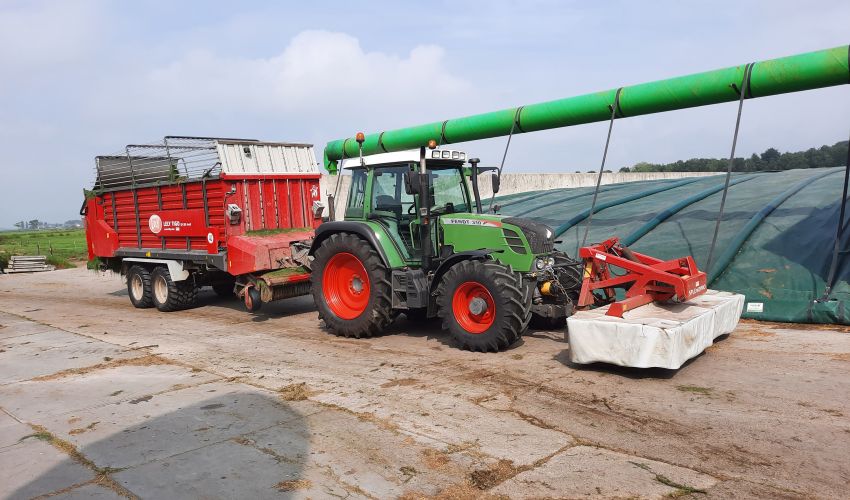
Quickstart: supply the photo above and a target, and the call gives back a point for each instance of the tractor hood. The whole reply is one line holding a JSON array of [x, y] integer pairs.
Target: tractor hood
[[540, 237]]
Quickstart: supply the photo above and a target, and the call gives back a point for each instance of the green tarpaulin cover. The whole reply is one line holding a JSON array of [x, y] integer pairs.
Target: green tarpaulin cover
[[775, 242]]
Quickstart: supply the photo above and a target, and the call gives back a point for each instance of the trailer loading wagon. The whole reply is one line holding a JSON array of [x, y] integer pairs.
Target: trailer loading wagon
[[234, 214]]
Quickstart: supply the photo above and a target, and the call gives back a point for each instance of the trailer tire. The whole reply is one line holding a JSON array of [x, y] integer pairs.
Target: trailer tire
[[139, 287], [503, 295], [169, 295], [351, 287]]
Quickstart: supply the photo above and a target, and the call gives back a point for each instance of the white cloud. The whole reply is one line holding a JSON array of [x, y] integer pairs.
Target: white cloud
[[319, 73]]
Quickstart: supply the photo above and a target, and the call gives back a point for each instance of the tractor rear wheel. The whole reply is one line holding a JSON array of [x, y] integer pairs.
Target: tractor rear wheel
[[351, 287], [169, 295], [484, 305], [139, 286]]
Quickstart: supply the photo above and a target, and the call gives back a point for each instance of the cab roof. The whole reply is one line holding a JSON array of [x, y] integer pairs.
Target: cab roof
[[408, 156]]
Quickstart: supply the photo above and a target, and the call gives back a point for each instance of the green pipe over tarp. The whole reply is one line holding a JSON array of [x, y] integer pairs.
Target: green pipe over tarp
[[812, 70]]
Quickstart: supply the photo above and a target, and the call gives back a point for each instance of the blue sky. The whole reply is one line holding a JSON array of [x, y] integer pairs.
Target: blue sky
[[81, 78]]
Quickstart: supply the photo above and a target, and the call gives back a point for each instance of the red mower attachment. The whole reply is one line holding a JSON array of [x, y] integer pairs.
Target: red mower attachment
[[646, 278]]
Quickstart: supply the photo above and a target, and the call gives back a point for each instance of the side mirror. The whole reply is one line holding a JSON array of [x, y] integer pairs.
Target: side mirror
[[411, 183], [496, 180]]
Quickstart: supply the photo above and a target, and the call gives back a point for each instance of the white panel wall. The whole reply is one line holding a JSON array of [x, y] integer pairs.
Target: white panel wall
[[266, 158]]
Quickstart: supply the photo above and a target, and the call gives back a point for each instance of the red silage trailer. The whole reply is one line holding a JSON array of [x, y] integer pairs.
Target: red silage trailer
[[234, 214]]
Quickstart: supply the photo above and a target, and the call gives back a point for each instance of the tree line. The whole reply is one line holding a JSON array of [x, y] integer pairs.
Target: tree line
[[36, 224], [771, 159]]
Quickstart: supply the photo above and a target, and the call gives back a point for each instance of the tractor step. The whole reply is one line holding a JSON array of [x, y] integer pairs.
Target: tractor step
[[655, 335]]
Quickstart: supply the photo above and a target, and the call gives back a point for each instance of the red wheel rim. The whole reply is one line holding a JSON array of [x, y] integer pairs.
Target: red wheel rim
[[473, 307], [346, 286]]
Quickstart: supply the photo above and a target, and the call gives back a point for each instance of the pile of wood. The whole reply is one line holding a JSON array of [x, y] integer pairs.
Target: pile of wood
[[28, 264]]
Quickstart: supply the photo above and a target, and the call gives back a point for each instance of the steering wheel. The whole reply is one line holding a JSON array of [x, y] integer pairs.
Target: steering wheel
[[411, 209]]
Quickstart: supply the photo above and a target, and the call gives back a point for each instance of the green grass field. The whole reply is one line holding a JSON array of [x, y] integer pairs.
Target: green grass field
[[61, 246]]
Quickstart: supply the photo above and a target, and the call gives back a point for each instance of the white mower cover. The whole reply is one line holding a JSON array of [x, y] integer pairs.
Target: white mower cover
[[655, 335]]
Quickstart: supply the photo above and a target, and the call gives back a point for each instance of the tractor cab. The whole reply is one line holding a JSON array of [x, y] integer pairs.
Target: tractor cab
[[403, 192]]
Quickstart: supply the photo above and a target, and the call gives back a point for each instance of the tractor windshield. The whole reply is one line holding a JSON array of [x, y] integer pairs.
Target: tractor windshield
[[448, 190]]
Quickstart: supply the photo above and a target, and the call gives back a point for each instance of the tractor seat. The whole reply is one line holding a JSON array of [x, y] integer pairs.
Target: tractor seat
[[386, 203]]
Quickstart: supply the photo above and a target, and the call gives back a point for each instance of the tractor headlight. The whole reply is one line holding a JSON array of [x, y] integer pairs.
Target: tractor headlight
[[540, 263], [550, 261]]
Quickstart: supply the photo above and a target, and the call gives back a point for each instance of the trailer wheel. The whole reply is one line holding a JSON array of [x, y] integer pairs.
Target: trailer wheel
[[351, 287], [484, 305], [169, 295], [253, 301], [139, 287]]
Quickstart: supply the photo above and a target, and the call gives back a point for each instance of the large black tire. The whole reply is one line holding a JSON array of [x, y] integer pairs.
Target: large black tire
[[509, 295], [346, 313], [169, 295], [139, 287]]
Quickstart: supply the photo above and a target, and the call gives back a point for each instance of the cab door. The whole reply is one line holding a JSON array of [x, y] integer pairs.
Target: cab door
[[396, 210]]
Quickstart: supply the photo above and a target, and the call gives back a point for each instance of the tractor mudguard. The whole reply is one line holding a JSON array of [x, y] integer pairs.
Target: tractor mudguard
[[361, 229], [444, 267], [454, 259]]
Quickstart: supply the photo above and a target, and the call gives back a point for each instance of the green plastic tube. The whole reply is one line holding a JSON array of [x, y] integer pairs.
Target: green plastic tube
[[812, 70]]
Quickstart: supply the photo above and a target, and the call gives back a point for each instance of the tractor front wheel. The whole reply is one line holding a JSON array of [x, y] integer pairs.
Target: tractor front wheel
[[351, 287], [484, 305]]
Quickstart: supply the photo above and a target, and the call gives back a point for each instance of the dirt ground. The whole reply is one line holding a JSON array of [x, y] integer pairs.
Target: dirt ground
[[103, 400]]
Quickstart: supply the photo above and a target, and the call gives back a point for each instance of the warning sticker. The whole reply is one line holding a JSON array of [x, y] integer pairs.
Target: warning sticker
[[755, 307], [472, 222]]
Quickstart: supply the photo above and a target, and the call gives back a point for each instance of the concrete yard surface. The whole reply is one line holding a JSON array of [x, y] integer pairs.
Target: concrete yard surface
[[101, 400]]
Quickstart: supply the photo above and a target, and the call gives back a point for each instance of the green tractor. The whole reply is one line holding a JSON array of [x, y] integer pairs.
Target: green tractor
[[416, 241]]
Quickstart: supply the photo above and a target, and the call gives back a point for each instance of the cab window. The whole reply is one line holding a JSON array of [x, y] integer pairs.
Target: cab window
[[356, 194], [448, 190], [388, 193]]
